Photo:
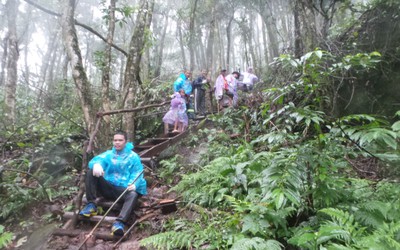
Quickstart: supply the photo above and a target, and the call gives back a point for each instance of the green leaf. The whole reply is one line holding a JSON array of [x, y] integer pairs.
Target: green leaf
[[396, 126], [375, 53], [318, 53], [280, 200]]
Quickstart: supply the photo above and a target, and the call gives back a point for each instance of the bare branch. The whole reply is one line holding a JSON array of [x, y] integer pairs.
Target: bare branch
[[77, 23]]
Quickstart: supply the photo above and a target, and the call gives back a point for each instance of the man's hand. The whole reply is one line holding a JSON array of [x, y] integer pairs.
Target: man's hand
[[132, 187], [98, 170]]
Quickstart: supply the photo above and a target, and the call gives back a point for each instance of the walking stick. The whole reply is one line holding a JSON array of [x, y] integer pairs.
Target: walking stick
[[104, 216]]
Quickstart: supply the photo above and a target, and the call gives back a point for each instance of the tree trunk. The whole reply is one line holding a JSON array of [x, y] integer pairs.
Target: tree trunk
[[210, 42], [4, 61], [71, 45], [309, 29], [266, 58], [191, 34], [12, 61], [181, 43], [160, 52], [272, 31], [105, 79], [298, 50], [46, 60], [251, 44], [229, 41], [132, 81]]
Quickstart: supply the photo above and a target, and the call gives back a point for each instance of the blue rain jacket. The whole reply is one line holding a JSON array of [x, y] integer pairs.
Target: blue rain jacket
[[183, 83], [121, 168]]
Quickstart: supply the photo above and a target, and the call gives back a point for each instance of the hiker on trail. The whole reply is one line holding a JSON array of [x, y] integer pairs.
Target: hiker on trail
[[233, 85], [249, 79], [183, 82], [222, 90], [110, 174], [176, 115], [200, 84]]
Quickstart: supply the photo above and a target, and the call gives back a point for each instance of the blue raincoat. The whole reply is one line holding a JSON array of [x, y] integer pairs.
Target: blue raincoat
[[183, 83], [121, 168]]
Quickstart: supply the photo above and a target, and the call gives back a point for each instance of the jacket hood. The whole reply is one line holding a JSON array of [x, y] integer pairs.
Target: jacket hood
[[128, 147], [183, 76]]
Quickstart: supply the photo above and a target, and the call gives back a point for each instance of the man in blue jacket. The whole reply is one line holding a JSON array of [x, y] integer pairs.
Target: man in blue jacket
[[110, 174]]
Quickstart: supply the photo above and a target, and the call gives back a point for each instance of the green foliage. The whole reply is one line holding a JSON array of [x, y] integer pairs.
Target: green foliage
[[169, 240], [230, 120], [211, 229], [256, 243], [5, 237], [47, 149], [366, 223], [124, 12], [318, 76], [169, 168], [374, 137], [292, 181]]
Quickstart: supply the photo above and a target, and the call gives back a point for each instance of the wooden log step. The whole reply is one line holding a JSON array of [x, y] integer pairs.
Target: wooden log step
[[105, 204], [143, 146], [158, 140], [77, 232], [148, 159], [97, 218]]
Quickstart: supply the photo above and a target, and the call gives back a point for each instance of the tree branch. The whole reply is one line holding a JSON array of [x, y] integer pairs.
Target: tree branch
[[131, 110], [101, 114], [77, 23]]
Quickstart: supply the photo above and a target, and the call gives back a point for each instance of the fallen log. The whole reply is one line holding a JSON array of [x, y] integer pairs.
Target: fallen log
[[77, 232], [97, 218]]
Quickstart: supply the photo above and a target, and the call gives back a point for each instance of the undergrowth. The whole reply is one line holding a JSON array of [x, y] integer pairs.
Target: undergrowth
[[290, 180]]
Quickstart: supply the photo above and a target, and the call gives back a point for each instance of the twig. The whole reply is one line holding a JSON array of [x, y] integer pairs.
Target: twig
[[78, 197], [351, 98], [355, 143], [360, 170], [93, 135]]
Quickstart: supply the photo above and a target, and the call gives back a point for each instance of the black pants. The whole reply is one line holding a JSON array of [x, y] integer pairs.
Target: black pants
[[199, 101], [98, 186]]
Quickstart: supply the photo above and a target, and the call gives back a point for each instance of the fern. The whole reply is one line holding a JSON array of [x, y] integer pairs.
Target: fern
[[386, 237], [5, 237], [339, 216], [370, 132], [216, 230], [373, 213], [168, 240], [256, 243]]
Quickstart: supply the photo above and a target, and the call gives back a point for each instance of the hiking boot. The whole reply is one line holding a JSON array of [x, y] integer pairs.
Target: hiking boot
[[89, 210], [117, 228]]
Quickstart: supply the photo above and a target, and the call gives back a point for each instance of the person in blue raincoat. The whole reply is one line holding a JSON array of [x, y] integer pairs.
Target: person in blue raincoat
[[183, 82], [110, 174]]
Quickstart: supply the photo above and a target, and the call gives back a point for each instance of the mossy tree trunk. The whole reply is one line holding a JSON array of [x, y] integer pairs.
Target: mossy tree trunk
[[132, 82], [106, 72], [73, 51]]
